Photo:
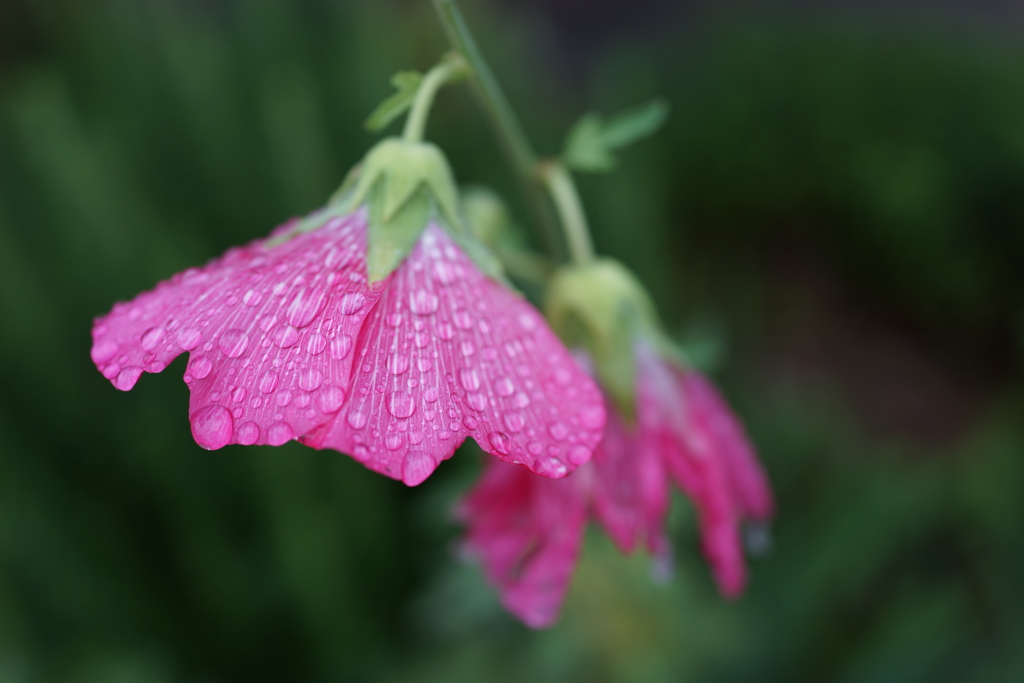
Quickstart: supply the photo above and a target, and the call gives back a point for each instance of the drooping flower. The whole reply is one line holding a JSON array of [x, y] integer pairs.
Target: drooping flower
[[376, 326], [674, 425]]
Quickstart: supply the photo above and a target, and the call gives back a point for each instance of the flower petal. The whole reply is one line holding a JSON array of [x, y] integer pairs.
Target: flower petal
[[527, 532], [449, 353], [269, 331], [630, 489]]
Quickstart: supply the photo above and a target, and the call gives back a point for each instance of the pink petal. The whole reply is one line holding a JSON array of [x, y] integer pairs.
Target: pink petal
[[269, 331], [449, 353], [527, 531], [630, 489], [748, 478]]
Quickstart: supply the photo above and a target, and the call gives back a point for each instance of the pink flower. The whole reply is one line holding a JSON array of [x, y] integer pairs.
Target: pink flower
[[527, 531], [287, 339]]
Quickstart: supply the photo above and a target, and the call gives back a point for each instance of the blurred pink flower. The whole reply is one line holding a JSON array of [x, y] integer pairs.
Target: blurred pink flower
[[527, 531], [287, 339]]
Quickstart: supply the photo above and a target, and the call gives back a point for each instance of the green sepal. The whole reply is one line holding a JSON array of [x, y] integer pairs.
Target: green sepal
[[602, 307], [591, 140], [406, 83], [391, 235]]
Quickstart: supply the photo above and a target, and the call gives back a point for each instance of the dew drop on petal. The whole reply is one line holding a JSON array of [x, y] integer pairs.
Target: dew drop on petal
[[103, 351], [476, 401], [430, 394], [340, 346], [285, 336], [351, 303], [470, 422], [212, 427], [283, 398], [200, 367], [514, 422], [579, 454], [469, 379], [462, 319], [256, 401], [310, 379], [393, 441], [401, 404], [238, 395], [558, 431], [445, 331], [268, 382], [279, 433], [152, 337], [111, 371], [356, 419], [398, 363], [423, 302], [467, 348], [331, 399], [535, 448], [549, 466], [233, 343], [248, 433], [416, 467], [445, 272], [316, 344], [306, 305], [504, 387], [127, 378], [500, 442], [251, 298], [394, 319], [189, 338]]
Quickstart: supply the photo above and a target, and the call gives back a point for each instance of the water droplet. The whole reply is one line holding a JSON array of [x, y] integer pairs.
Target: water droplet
[[476, 401], [310, 379], [445, 331], [315, 344], [521, 400], [550, 467], [256, 401], [279, 433], [393, 441], [189, 338], [268, 382], [200, 367], [351, 303], [579, 454], [416, 467], [285, 336], [430, 394], [558, 431], [111, 371], [212, 427], [127, 378], [356, 419], [251, 298], [331, 399], [514, 422], [267, 321], [592, 417], [415, 437], [401, 404], [152, 337], [470, 422], [469, 379], [103, 351], [445, 272], [500, 442], [303, 400], [467, 348], [423, 302], [462, 319], [424, 364], [283, 398], [504, 387], [563, 376], [394, 319], [248, 433], [238, 395], [340, 346], [155, 366], [527, 320], [233, 343], [535, 448], [443, 435], [398, 363], [306, 306]]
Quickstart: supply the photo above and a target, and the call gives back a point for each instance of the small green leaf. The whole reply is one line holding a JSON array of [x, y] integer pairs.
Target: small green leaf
[[591, 141], [390, 239], [406, 83]]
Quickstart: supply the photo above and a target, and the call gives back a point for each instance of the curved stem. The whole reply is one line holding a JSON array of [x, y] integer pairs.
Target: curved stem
[[503, 119], [416, 122], [567, 202]]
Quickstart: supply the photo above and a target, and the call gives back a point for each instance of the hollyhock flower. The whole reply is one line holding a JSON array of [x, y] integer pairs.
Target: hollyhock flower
[[527, 531], [376, 327]]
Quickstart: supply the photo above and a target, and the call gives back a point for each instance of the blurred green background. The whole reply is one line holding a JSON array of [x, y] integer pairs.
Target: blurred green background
[[832, 221]]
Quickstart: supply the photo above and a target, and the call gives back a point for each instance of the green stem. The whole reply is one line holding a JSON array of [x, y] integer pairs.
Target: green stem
[[503, 119], [436, 78], [567, 202]]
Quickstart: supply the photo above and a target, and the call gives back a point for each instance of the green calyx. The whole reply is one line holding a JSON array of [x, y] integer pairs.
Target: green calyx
[[406, 186], [602, 307]]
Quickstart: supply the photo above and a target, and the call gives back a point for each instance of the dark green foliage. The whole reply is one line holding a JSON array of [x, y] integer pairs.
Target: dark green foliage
[[833, 212]]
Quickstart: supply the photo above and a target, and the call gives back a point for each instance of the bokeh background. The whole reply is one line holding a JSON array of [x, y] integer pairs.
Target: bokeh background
[[832, 221]]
